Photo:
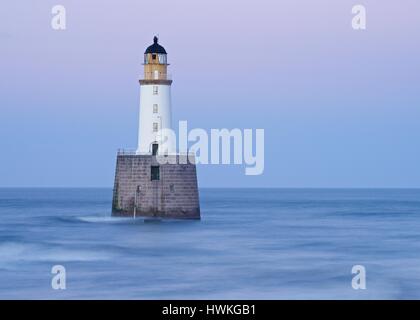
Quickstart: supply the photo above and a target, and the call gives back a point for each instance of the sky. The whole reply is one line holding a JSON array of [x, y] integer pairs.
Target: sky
[[340, 107]]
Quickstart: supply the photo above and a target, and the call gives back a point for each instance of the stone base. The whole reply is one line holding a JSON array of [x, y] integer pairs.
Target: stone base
[[172, 194]]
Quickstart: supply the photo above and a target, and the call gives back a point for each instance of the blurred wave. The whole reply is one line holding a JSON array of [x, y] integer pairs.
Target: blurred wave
[[250, 244]]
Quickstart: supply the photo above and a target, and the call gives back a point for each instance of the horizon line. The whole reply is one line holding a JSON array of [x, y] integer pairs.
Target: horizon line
[[211, 187]]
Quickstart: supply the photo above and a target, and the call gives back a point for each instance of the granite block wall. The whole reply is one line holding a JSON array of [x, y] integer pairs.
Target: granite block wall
[[174, 195]]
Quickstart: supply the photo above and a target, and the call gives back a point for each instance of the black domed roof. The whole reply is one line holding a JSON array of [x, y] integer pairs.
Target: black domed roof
[[155, 47]]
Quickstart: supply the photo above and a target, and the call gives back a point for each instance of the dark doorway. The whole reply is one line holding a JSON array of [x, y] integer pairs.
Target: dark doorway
[[155, 148], [155, 174]]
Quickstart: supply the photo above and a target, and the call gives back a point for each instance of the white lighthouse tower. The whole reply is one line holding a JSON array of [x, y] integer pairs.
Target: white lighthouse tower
[[144, 186], [155, 103]]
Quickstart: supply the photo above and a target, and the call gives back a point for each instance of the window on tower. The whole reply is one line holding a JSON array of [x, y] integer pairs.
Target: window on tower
[[155, 89], [155, 148], [155, 127], [153, 56], [155, 108], [162, 58]]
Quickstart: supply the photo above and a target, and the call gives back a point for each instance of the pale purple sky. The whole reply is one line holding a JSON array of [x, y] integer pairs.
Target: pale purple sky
[[340, 108]]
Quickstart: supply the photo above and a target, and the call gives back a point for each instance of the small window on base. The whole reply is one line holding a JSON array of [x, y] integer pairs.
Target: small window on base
[[155, 174]]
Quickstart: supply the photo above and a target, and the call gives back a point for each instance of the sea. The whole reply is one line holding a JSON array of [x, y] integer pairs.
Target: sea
[[249, 244]]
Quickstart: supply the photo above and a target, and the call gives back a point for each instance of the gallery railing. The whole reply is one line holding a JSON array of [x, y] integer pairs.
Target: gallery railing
[[130, 152]]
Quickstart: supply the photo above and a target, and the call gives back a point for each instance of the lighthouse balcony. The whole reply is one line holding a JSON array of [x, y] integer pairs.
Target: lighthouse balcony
[[132, 152], [126, 152], [155, 78]]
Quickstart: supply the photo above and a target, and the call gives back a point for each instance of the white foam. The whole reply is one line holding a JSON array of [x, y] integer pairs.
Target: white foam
[[11, 253], [102, 219]]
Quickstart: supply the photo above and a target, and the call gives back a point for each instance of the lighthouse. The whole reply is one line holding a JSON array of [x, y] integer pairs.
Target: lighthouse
[[155, 103], [143, 185]]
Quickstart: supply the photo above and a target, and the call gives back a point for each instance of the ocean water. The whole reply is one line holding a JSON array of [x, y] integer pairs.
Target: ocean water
[[250, 244]]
